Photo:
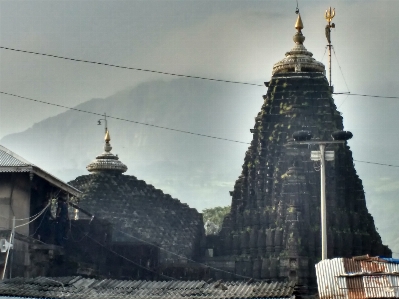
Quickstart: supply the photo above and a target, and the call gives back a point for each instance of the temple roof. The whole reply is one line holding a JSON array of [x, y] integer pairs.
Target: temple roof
[[140, 212], [299, 59], [137, 211], [107, 161]]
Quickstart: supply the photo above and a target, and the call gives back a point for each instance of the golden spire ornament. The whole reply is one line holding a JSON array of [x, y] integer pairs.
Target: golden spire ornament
[[107, 137], [299, 23]]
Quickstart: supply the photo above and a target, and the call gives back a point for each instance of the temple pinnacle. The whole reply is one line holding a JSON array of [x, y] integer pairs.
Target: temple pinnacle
[[107, 162], [299, 24], [107, 137], [298, 37]]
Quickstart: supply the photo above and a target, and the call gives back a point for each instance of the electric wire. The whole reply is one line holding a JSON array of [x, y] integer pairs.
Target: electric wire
[[182, 256], [375, 163], [129, 68], [325, 50], [182, 75], [151, 125], [366, 95], [343, 101], [35, 217], [125, 258], [123, 119], [340, 69], [36, 213]]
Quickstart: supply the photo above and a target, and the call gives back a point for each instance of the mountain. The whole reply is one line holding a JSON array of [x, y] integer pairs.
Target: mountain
[[197, 170]]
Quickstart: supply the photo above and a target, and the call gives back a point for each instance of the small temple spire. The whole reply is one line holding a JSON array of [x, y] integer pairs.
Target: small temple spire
[[107, 162], [299, 59]]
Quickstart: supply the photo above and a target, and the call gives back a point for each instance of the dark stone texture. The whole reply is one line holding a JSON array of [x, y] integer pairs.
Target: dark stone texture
[[275, 212], [144, 213]]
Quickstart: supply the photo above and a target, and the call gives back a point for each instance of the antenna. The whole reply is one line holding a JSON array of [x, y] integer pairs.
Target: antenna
[[297, 7], [329, 15]]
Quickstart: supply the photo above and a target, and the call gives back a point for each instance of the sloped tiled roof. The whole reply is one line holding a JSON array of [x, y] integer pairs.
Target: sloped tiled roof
[[78, 287], [11, 159], [11, 162], [142, 213]]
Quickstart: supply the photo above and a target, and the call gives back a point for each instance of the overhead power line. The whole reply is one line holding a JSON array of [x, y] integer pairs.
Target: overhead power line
[[340, 68], [365, 95], [123, 257], [182, 256], [130, 68], [123, 119], [375, 163], [173, 74], [151, 125]]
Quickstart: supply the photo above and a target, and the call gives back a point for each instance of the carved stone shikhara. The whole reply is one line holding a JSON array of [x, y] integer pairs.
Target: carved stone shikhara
[[274, 224]]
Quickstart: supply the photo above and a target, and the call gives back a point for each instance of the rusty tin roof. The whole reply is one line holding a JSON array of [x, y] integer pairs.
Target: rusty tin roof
[[359, 277]]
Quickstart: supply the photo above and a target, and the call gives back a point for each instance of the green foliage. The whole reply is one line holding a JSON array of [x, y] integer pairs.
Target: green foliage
[[215, 215]]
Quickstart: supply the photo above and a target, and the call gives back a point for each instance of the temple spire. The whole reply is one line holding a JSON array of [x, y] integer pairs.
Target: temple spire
[[107, 162], [299, 59]]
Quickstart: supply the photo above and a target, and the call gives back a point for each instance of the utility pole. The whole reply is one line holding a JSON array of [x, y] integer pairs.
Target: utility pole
[[323, 202], [329, 15], [8, 246], [305, 137]]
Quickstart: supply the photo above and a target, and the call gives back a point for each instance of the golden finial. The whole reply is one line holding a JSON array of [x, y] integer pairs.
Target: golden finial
[[299, 24], [107, 137], [330, 14]]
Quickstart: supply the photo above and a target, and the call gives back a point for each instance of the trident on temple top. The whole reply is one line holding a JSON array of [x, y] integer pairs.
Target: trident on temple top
[[329, 15]]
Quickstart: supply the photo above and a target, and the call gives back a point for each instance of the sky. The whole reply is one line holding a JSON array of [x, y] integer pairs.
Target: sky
[[231, 40]]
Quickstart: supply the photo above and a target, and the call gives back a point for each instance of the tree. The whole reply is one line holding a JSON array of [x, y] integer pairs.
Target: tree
[[213, 219]]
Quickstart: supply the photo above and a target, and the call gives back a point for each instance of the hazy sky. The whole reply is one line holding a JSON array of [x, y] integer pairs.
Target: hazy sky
[[232, 40]]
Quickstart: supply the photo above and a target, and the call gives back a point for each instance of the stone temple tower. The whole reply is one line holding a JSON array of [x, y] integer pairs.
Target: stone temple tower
[[273, 229]]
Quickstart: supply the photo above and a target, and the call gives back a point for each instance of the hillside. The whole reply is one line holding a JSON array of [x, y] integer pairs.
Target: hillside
[[199, 171]]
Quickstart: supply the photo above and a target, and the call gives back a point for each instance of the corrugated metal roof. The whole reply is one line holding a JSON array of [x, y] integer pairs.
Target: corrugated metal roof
[[357, 278], [11, 159], [11, 162], [78, 287]]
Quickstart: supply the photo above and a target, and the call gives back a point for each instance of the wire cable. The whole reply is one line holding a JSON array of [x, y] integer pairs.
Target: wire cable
[[125, 258], [129, 68], [35, 217], [365, 95], [325, 49], [180, 75], [343, 102], [38, 212], [375, 163], [159, 127], [184, 257], [123, 119], [340, 69]]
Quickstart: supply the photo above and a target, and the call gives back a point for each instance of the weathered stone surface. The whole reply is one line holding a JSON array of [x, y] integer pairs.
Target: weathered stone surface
[[278, 191], [145, 213]]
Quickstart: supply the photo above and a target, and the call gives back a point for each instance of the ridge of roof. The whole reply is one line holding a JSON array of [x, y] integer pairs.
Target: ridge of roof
[[12, 162], [8, 158]]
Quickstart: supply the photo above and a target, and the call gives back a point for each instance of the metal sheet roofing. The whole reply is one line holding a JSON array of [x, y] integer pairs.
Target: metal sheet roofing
[[78, 287], [11, 162], [11, 159], [361, 277]]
